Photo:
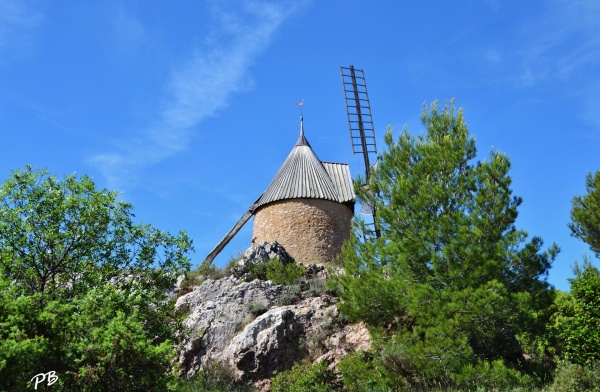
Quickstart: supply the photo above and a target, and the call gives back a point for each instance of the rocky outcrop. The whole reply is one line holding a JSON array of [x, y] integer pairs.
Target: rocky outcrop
[[221, 327], [259, 254], [270, 343], [258, 328], [277, 339], [217, 311]]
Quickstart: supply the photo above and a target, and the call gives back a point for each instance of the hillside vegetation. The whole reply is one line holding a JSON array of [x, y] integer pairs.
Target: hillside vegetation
[[454, 295]]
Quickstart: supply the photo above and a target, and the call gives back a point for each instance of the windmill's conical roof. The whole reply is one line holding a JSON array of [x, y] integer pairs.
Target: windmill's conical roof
[[303, 175]]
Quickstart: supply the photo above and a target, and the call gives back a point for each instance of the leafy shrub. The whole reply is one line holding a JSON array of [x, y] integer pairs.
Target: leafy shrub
[[290, 297], [199, 275], [207, 271], [191, 279], [211, 271], [273, 270], [360, 372], [491, 375], [232, 263], [576, 322], [571, 377], [83, 289], [305, 378], [280, 273], [213, 377], [317, 287], [398, 366], [256, 309]]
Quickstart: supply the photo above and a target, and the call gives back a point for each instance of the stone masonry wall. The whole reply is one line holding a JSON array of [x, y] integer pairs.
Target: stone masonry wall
[[310, 230]]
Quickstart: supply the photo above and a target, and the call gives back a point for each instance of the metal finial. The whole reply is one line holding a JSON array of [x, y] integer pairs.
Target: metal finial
[[300, 104]]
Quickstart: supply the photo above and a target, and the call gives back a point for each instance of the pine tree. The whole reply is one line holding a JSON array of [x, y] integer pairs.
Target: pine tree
[[585, 214], [451, 277]]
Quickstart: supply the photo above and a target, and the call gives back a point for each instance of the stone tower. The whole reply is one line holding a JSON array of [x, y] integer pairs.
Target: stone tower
[[308, 206]]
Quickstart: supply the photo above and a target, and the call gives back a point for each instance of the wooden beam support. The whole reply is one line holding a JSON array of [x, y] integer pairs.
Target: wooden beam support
[[229, 236]]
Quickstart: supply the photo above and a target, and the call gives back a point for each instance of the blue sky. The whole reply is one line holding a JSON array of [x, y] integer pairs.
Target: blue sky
[[188, 107]]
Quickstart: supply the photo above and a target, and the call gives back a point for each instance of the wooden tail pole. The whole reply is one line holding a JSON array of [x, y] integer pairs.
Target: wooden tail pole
[[229, 236]]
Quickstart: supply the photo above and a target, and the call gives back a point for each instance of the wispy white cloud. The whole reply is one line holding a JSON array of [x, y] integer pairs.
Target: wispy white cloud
[[200, 86], [566, 38], [17, 24]]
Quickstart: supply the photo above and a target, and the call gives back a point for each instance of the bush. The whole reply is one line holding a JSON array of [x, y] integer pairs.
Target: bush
[[280, 273], [360, 372], [578, 317], [213, 377], [317, 287], [256, 309], [207, 271], [290, 297], [83, 289], [191, 279], [305, 378], [273, 270], [570, 377]]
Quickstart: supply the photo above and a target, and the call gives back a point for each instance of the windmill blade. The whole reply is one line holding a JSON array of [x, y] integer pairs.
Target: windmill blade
[[358, 111], [360, 124]]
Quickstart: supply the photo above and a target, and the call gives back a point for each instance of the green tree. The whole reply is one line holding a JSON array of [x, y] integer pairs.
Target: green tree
[[577, 321], [585, 214], [451, 278], [83, 288]]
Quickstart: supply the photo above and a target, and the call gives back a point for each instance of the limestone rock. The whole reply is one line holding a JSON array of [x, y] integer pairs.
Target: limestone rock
[[317, 271], [268, 344], [277, 339], [222, 328], [217, 311], [258, 254]]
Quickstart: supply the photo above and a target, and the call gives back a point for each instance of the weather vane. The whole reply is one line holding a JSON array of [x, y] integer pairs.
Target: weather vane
[[300, 104]]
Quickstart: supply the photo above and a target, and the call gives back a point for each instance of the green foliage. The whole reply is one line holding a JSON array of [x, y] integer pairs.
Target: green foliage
[[290, 296], [232, 263], [280, 273], [208, 270], [585, 214], [213, 377], [451, 277], [361, 372], [274, 270], [570, 377], [317, 287], [305, 378], [83, 288], [577, 321], [256, 309]]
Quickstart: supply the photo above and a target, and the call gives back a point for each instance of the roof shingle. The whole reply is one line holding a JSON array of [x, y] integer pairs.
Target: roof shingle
[[303, 175]]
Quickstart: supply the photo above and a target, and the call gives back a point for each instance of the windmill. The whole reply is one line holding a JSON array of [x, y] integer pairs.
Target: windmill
[[307, 208], [360, 124]]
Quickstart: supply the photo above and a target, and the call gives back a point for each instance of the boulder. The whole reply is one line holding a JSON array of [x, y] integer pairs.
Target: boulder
[[217, 311], [258, 254], [259, 328], [268, 344]]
